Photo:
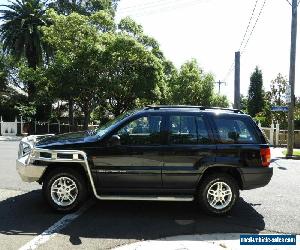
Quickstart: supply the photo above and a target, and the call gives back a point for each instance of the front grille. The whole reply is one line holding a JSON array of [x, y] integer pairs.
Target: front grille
[[45, 155], [64, 156]]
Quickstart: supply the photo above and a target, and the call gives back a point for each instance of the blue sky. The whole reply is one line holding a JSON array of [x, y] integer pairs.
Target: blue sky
[[212, 30]]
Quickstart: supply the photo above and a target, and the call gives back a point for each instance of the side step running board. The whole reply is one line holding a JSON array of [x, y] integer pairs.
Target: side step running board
[[147, 198]]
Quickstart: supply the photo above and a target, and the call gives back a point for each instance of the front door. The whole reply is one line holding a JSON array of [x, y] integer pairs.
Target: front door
[[135, 162]]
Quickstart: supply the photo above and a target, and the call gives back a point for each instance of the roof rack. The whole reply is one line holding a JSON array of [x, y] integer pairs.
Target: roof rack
[[156, 107]]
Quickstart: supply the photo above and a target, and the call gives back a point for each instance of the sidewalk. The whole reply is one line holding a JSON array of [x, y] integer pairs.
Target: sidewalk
[[217, 241], [10, 138], [277, 152]]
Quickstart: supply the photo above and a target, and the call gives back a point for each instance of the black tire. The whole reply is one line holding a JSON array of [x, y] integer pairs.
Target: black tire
[[70, 174], [204, 200]]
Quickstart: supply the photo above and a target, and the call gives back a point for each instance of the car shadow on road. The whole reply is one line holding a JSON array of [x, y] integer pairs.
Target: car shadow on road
[[28, 214], [153, 220]]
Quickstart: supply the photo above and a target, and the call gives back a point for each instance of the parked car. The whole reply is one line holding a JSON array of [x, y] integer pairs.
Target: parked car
[[159, 153]]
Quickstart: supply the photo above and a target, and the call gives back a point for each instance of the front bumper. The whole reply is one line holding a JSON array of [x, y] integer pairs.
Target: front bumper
[[29, 172]]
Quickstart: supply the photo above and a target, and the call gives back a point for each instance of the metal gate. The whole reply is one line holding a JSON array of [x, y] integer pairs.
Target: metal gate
[[9, 128]]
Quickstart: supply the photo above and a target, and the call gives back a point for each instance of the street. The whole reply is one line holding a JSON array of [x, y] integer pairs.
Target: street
[[108, 224]]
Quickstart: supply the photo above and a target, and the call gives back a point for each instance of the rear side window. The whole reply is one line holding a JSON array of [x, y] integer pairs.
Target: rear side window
[[235, 130], [187, 130]]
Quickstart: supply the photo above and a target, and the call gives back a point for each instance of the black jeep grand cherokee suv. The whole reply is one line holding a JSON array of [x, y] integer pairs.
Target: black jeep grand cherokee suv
[[163, 153]]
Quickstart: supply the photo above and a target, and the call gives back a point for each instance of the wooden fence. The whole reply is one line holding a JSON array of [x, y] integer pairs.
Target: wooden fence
[[278, 137]]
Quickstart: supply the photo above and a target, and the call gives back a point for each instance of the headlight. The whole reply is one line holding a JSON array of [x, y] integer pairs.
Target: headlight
[[24, 149]]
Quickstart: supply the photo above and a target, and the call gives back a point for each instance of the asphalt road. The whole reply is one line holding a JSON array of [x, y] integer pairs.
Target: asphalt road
[[104, 225]]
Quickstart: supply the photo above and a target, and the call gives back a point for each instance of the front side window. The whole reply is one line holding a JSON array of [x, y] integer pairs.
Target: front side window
[[102, 130], [235, 130], [142, 131]]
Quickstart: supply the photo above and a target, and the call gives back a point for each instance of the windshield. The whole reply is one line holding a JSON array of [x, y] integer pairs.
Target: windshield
[[109, 125]]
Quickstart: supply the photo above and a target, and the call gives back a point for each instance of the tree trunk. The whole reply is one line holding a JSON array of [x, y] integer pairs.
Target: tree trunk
[[86, 119], [71, 112], [32, 60]]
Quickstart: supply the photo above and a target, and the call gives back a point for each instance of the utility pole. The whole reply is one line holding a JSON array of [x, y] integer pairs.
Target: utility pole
[[292, 80], [237, 95], [219, 83]]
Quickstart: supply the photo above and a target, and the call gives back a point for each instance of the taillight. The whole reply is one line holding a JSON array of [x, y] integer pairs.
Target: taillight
[[265, 154]]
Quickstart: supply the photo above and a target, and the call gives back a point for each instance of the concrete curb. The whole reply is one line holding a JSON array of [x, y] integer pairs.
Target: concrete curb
[[10, 138]]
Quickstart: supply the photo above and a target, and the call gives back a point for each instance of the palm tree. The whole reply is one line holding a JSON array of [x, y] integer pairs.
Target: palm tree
[[21, 35]]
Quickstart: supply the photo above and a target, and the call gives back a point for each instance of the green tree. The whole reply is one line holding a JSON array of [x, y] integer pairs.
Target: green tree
[[276, 98], [9, 96], [74, 73], [3, 73], [95, 64], [88, 7], [244, 103], [21, 35], [134, 74], [255, 93], [192, 86], [278, 89], [219, 101]]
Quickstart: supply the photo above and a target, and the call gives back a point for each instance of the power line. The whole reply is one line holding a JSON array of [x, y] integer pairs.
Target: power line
[[147, 4], [229, 72], [261, 9], [252, 14], [154, 8], [242, 42], [289, 2]]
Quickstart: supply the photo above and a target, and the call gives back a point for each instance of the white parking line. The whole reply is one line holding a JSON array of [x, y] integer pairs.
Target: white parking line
[[55, 228]]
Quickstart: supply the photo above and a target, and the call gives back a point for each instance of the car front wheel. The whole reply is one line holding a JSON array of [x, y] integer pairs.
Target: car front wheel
[[218, 194], [64, 189]]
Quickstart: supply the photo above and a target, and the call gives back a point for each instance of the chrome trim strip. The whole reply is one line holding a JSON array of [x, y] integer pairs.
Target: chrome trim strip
[[147, 198]]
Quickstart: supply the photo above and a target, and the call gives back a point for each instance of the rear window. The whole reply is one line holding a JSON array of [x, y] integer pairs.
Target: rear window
[[235, 130]]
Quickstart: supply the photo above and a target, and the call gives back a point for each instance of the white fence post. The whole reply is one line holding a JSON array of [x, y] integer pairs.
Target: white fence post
[[16, 126], [58, 126], [21, 129], [277, 134], [1, 125], [272, 134]]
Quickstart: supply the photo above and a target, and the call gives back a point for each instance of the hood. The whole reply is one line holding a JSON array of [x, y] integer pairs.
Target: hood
[[67, 139]]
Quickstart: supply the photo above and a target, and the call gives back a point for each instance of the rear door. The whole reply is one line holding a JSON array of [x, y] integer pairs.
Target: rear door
[[190, 147]]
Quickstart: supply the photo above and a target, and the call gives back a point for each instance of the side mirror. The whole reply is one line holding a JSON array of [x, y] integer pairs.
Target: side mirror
[[233, 136], [114, 140]]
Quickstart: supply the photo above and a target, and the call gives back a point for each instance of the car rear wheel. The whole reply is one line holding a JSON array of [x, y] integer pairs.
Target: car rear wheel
[[64, 189], [218, 193]]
